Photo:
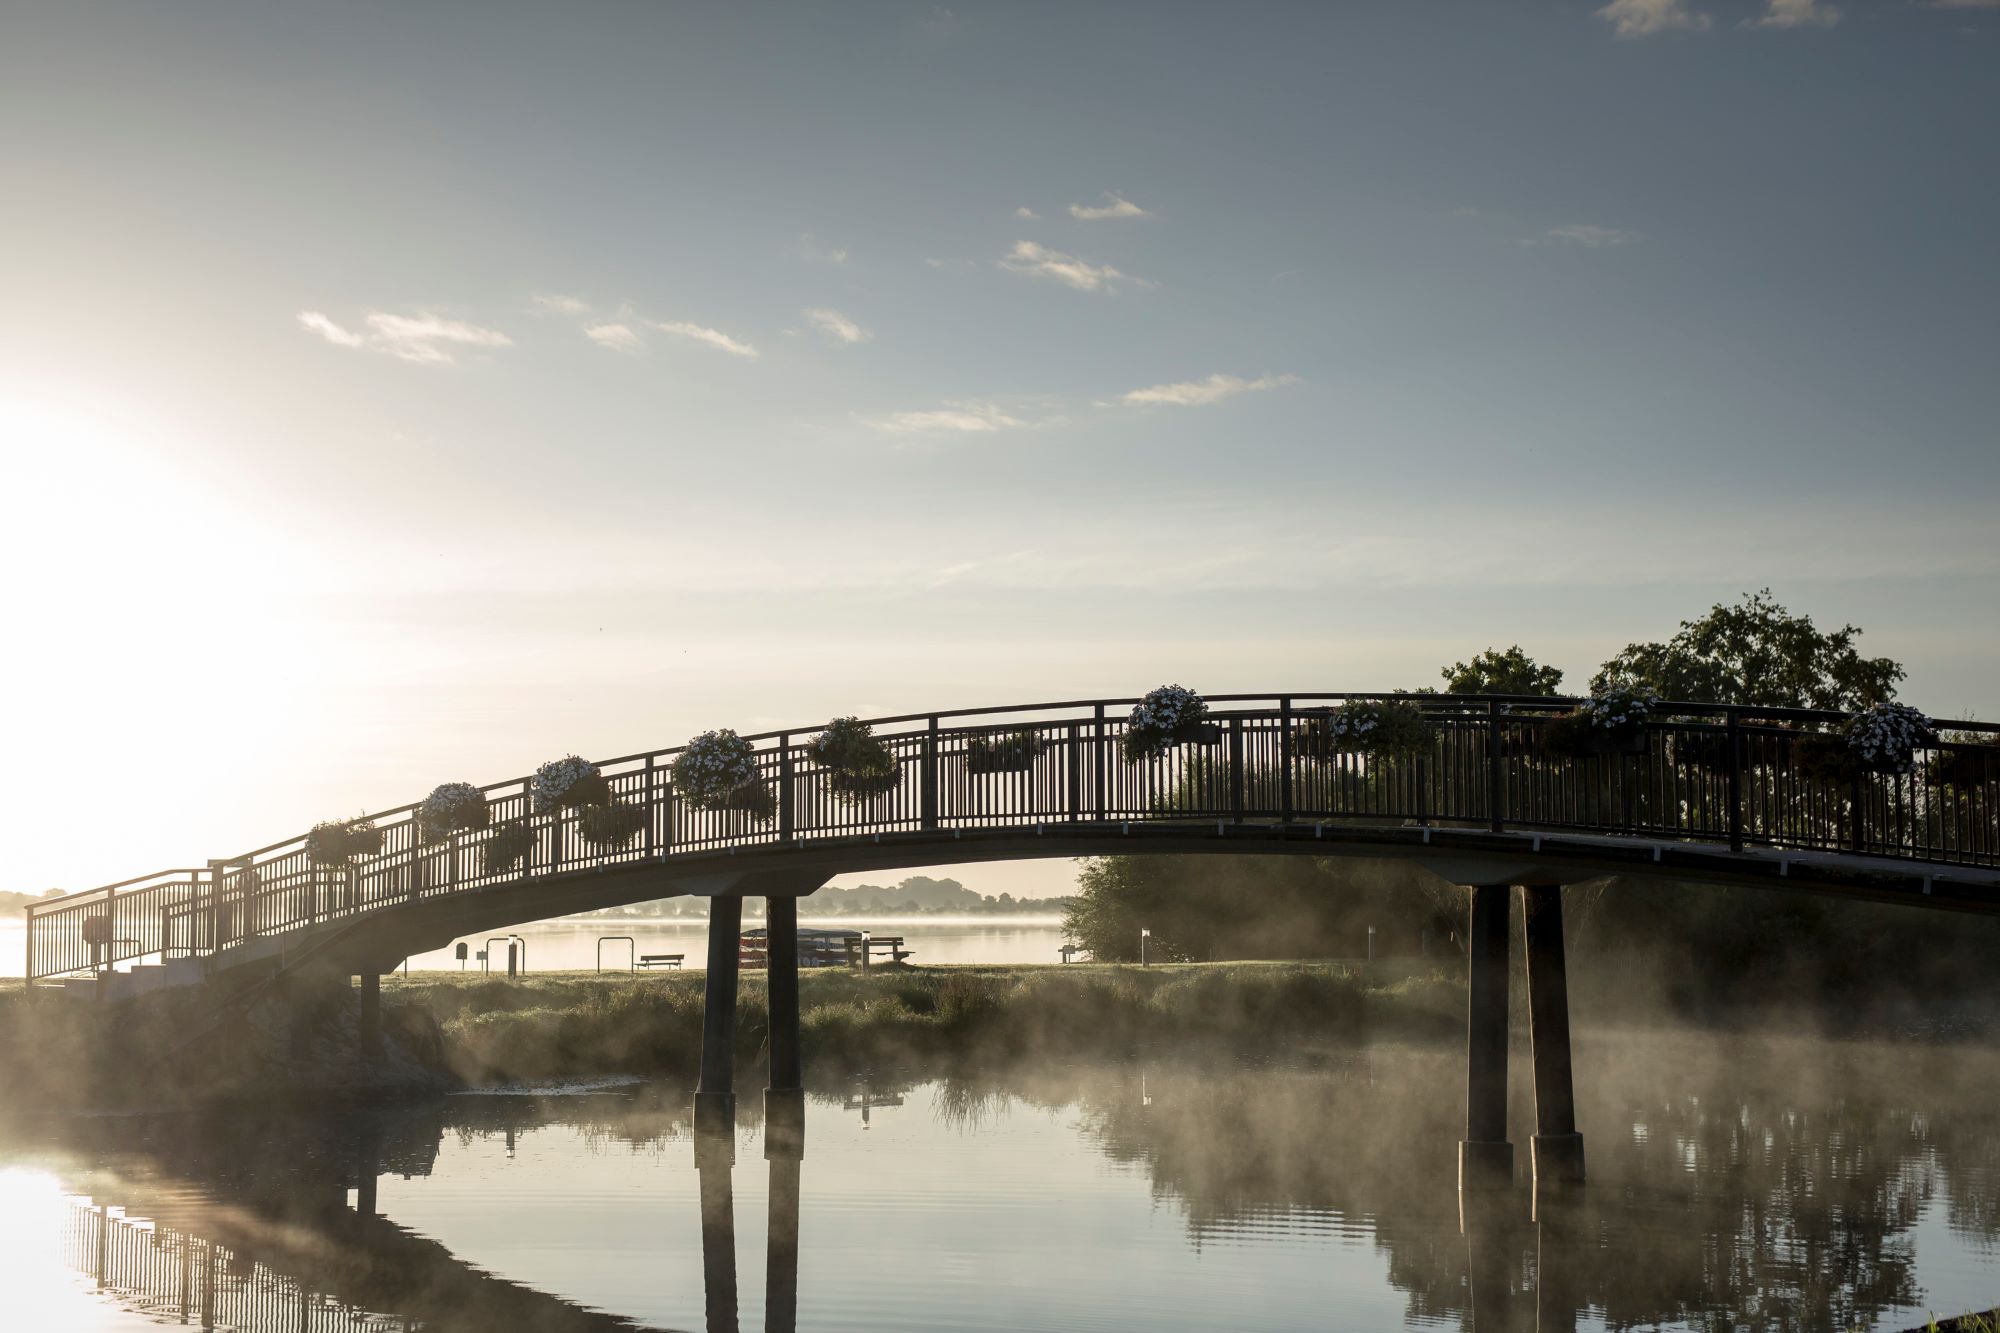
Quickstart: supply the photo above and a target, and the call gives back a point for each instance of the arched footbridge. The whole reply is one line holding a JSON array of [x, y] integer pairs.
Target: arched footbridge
[[1476, 791], [1711, 793]]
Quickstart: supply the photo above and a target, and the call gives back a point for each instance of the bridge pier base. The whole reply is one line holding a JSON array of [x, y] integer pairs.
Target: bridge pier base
[[715, 1094], [1558, 1148], [785, 1098], [371, 1016], [1485, 1156]]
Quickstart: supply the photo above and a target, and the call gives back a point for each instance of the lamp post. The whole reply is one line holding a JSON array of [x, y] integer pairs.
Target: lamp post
[[1144, 935]]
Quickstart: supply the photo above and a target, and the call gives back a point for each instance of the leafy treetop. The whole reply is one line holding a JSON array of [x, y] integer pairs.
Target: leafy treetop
[[1757, 652], [1495, 672]]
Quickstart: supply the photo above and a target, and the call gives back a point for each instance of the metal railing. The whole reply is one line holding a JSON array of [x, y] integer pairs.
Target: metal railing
[[1711, 774]]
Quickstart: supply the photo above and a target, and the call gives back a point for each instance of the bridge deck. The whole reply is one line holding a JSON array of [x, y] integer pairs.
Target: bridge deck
[[1717, 793]]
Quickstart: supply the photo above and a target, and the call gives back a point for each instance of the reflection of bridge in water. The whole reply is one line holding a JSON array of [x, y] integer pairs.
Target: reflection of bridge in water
[[1721, 794], [1724, 1196]]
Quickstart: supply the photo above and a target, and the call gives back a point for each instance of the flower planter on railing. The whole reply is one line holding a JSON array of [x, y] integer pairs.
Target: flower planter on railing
[[1611, 723], [1168, 716], [506, 847], [610, 826], [859, 767]]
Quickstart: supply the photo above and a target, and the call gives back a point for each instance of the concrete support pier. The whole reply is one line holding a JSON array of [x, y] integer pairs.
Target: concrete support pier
[[715, 1094], [718, 1233], [1485, 1156], [785, 1098], [1558, 1148], [371, 1016]]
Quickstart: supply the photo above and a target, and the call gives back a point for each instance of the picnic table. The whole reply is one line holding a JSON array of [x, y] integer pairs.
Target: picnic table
[[661, 959]]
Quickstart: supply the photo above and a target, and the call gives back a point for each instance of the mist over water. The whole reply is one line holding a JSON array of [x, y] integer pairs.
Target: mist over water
[[1751, 1183]]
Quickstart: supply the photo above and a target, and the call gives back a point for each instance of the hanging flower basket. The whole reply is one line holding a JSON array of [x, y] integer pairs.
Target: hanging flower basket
[[1003, 751], [1168, 716], [567, 783], [1886, 737], [714, 770], [610, 825], [506, 846], [1610, 722], [1361, 726], [858, 765], [340, 842], [452, 807]]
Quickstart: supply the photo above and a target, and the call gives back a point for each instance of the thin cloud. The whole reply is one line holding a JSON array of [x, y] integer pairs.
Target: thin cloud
[[1203, 393], [615, 337], [1114, 206], [426, 339], [713, 337], [954, 419], [561, 305], [1644, 18], [836, 326], [1589, 236], [1028, 257], [327, 329], [1795, 14], [1027, 214]]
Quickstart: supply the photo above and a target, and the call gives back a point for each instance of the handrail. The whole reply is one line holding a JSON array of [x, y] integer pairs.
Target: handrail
[[1709, 772]]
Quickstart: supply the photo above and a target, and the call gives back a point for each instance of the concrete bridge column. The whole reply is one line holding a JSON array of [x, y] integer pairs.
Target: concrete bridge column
[[1558, 1148], [1485, 1156], [371, 1016], [715, 1094], [785, 1098]]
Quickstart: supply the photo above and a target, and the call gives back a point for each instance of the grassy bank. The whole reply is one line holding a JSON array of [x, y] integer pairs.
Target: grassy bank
[[561, 1025]]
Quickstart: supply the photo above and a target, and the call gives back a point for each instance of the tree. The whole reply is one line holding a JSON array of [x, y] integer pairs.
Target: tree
[[1213, 907], [1495, 672], [1758, 653]]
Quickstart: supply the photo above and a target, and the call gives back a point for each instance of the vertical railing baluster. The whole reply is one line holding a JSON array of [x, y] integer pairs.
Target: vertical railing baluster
[[1735, 788], [1074, 759], [1101, 771], [1236, 770], [1286, 801], [652, 815], [785, 787], [1494, 780], [930, 775]]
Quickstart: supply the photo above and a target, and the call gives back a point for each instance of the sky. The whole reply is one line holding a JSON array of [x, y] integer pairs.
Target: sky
[[401, 394]]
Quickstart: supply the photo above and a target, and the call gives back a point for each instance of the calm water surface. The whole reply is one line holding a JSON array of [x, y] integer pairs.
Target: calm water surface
[[1736, 1184]]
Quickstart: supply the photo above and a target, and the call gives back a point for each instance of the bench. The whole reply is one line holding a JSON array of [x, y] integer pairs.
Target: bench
[[661, 959]]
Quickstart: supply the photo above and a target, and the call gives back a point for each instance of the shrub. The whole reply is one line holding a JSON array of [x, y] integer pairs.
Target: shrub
[[1360, 726], [714, 769], [1003, 751], [337, 842], [1168, 716], [568, 782], [505, 847], [1970, 760], [610, 825], [1820, 756], [452, 807], [858, 764]]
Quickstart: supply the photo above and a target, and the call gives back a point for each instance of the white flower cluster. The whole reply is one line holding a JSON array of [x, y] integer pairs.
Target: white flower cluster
[[714, 765], [1886, 736], [554, 779], [1620, 706], [1350, 723], [451, 806], [1168, 709]]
